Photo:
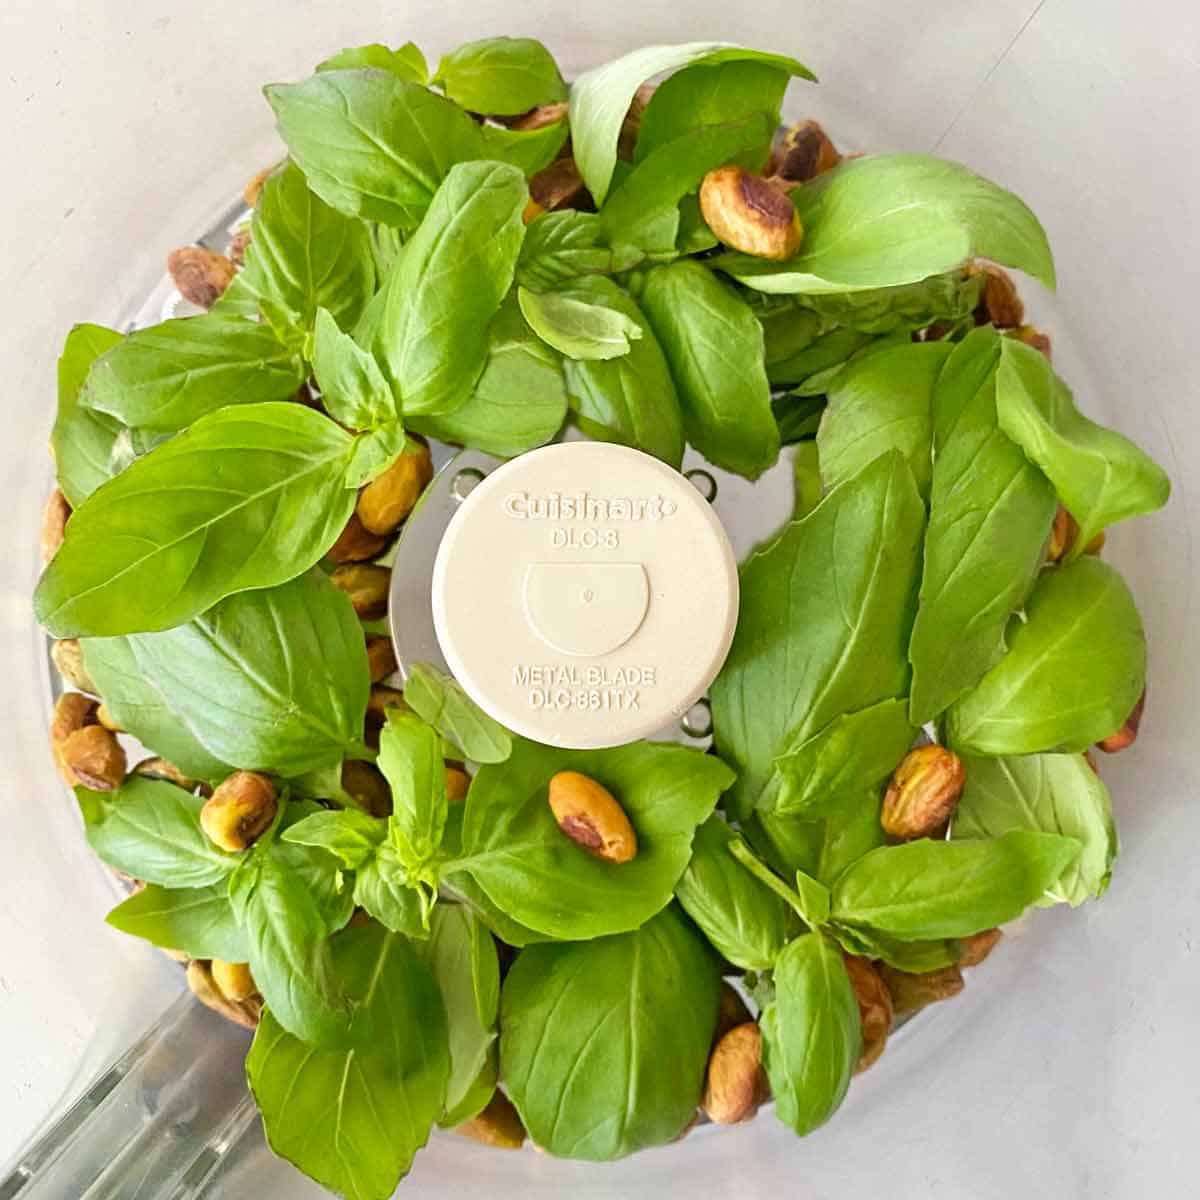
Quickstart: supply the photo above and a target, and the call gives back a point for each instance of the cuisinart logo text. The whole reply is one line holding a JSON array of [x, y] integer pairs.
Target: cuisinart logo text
[[584, 507]]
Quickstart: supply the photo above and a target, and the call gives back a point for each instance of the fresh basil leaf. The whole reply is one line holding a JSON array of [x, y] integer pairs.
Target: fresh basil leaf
[[529, 149], [806, 470], [564, 245], [87, 445], [1100, 476], [882, 402], [1048, 793], [922, 890], [714, 347], [949, 297], [352, 1118], [990, 513], [353, 389], [198, 922], [894, 219], [373, 452], [151, 830], [798, 419], [1073, 672], [694, 236], [382, 887], [447, 285], [854, 752], [814, 369], [746, 922], [439, 701], [814, 900], [407, 62], [410, 757], [826, 610], [788, 844], [167, 376], [317, 870], [372, 145], [812, 1033], [849, 831], [501, 76], [513, 848], [576, 327], [914, 957], [351, 836], [630, 400], [600, 98], [603, 1044], [249, 497], [520, 400]]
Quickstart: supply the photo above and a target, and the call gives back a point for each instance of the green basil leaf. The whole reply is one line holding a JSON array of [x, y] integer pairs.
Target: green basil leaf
[[88, 446], [1050, 793], [353, 389], [746, 922], [520, 400], [1100, 476], [447, 285], [714, 347], [630, 400], [811, 1031], [513, 848], [373, 452], [788, 844], [814, 900], [799, 418], [894, 219], [950, 297], [439, 701], [249, 497], [914, 957], [600, 98], [990, 514], [849, 831], [353, 1118], [501, 76], [407, 62], [806, 471], [151, 830], [198, 922], [578, 328], [1073, 672], [382, 887], [351, 836], [882, 402], [564, 245], [826, 610], [372, 145], [603, 1044], [410, 757], [316, 869], [814, 369], [529, 149], [922, 890]]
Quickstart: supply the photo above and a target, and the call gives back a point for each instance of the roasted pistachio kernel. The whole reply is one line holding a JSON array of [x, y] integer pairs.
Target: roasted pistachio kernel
[[559, 185], [588, 814], [805, 152], [72, 712], [923, 792], [498, 1125], [356, 543], [1035, 338], [94, 758], [748, 213], [168, 772], [735, 1083], [1000, 304], [54, 524], [537, 118], [201, 275], [367, 787], [381, 658], [367, 586], [253, 189], [238, 245], [910, 993], [977, 947], [67, 656], [382, 698], [731, 1011], [631, 124], [1127, 734], [874, 1008], [200, 981], [458, 782], [233, 980], [1064, 533], [390, 497], [242, 807]]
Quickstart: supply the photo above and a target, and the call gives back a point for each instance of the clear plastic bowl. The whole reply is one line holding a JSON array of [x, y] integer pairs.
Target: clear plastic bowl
[[1066, 1068]]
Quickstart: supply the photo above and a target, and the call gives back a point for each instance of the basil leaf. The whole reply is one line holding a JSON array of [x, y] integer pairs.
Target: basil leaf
[[893, 219], [564, 245], [814, 900], [914, 957], [923, 889], [410, 757], [248, 497], [882, 402], [353, 1118], [382, 887], [799, 419], [372, 145], [304, 256], [520, 400], [501, 76], [630, 400], [811, 1032], [825, 614], [167, 376], [578, 328], [351, 836], [990, 513], [600, 98], [1048, 793], [854, 752], [87, 445], [813, 369], [950, 297], [151, 830], [353, 389], [1100, 476], [439, 701], [447, 285], [603, 1044], [849, 831], [317, 870], [746, 922], [373, 452], [407, 62], [198, 922], [807, 475], [529, 149], [714, 347], [514, 849], [1073, 672]]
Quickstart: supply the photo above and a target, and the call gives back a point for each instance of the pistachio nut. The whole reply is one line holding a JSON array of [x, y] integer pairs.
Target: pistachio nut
[[911, 993], [631, 124], [589, 815], [238, 245], [1035, 338], [105, 717], [390, 497], [498, 1125], [803, 153], [731, 1011], [1063, 533], [356, 543], [94, 758], [1127, 734], [923, 792], [200, 275], [67, 656], [531, 211], [874, 1008], [367, 586], [72, 712], [200, 981], [1000, 305], [233, 980], [242, 807], [977, 947], [458, 783], [735, 1083], [381, 657], [559, 185], [366, 786], [253, 189], [536, 118], [168, 772], [751, 214], [54, 524], [382, 698]]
